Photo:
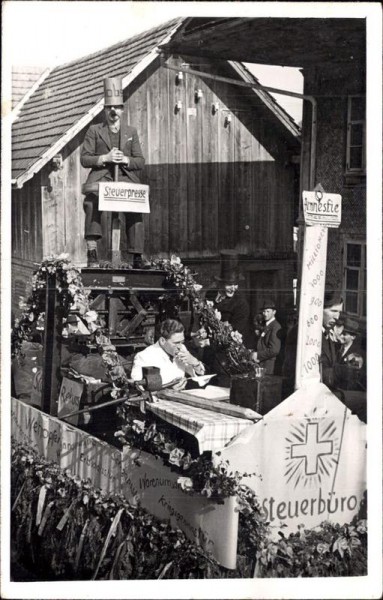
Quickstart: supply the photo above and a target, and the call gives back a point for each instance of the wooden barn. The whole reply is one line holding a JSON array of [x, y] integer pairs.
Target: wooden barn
[[221, 163], [331, 53]]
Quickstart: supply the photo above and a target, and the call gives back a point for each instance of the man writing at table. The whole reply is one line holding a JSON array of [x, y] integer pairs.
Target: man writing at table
[[170, 355]]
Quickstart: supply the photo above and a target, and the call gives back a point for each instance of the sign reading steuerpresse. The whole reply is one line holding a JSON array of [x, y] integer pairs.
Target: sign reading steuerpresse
[[119, 196]]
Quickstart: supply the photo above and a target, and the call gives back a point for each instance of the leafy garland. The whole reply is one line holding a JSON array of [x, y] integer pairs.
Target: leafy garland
[[203, 476], [71, 541]]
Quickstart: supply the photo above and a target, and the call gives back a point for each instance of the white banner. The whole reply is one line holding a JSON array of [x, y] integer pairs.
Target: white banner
[[69, 399], [309, 456], [81, 453], [120, 196], [213, 526]]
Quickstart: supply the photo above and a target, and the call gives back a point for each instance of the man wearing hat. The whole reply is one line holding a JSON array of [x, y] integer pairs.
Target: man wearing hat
[[105, 145], [269, 342], [332, 308], [350, 351], [231, 303]]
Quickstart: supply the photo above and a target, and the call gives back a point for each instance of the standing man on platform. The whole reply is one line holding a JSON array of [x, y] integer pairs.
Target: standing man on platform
[[105, 145], [269, 342]]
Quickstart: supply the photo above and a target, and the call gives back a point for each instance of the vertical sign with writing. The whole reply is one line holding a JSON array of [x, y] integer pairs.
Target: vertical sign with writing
[[69, 399], [320, 211]]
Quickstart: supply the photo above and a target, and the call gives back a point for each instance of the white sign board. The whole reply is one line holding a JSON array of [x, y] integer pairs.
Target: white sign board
[[148, 481], [69, 399], [120, 196], [309, 456], [322, 209], [37, 387]]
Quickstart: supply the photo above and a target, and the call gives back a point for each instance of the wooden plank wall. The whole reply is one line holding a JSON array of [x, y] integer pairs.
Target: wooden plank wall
[[212, 185], [26, 223]]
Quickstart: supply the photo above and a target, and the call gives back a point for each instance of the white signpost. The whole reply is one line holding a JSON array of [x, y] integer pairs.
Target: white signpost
[[321, 211]]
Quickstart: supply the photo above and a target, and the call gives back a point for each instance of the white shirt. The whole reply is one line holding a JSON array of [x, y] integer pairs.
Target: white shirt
[[155, 356]]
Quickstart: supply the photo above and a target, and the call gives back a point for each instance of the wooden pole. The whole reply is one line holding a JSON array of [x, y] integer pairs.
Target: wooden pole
[[116, 234], [51, 357]]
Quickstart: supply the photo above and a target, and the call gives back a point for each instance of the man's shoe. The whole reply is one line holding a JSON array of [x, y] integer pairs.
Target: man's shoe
[[140, 263], [92, 258]]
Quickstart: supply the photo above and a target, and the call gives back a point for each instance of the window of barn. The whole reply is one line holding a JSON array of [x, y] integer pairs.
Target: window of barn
[[354, 282], [356, 135]]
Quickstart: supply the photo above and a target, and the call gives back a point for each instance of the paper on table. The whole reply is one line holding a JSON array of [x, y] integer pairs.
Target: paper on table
[[211, 392], [202, 379]]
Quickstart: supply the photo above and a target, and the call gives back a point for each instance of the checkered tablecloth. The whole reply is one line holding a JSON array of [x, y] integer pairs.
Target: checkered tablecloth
[[212, 430]]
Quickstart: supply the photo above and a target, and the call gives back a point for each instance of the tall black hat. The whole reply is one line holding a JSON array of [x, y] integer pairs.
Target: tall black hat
[[230, 274]]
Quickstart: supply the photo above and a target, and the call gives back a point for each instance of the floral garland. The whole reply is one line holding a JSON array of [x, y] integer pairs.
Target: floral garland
[[71, 539], [221, 335], [203, 476], [200, 475], [73, 298]]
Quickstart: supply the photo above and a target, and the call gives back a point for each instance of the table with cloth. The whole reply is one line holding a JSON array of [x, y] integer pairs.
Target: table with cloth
[[212, 430]]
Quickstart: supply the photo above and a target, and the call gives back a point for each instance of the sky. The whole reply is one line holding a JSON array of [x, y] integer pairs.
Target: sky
[[64, 31]]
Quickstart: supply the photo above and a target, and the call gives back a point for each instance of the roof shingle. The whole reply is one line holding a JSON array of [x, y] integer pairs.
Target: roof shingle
[[70, 91]]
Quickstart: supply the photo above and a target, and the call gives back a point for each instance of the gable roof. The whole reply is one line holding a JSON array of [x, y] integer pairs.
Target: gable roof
[[23, 80], [72, 95]]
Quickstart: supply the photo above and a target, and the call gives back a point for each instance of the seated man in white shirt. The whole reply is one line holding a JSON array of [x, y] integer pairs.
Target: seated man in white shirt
[[170, 355]]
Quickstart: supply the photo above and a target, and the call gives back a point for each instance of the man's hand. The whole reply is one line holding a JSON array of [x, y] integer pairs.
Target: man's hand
[[180, 385], [355, 360], [184, 356], [254, 357], [116, 156]]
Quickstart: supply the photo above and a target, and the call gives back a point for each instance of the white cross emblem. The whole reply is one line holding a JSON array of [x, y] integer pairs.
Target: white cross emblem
[[312, 449]]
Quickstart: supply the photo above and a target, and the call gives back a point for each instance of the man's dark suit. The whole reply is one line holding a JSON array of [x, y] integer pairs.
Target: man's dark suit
[[269, 346], [327, 359], [96, 143], [235, 310]]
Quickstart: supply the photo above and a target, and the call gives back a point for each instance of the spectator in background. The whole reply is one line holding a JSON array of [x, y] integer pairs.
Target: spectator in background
[[350, 371], [269, 341], [350, 350], [332, 308], [230, 302]]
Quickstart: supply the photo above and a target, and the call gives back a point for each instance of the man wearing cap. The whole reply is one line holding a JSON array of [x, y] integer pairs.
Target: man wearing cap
[[269, 342], [105, 145], [350, 351]]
